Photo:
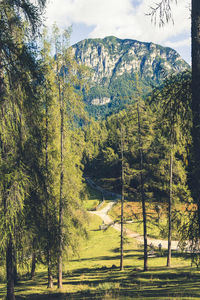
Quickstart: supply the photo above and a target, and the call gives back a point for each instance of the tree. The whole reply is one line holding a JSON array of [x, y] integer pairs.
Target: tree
[[174, 121], [163, 9], [140, 142], [50, 162], [142, 130], [122, 198], [16, 69], [69, 83], [13, 136], [13, 15], [196, 103]]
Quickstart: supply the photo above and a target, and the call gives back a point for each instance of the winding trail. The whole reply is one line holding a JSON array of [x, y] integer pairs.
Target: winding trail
[[103, 213]]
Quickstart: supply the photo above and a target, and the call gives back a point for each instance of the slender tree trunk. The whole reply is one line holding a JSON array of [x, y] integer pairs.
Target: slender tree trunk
[[142, 191], [122, 202], [2, 85], [10, 276], [15, 267], [33, 264], [60, 228], [170, 212], [196, 101], [50, 277], [61, 196], [10, 270]]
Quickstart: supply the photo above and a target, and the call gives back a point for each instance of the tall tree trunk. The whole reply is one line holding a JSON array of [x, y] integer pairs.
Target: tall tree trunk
[[61, 97], [10, 270], [15, 267], [33, 264], [122, 202], [10, 276], [142, 191], [61, 196], [50, 277], [2, 85], [170, 212], [196, 101]]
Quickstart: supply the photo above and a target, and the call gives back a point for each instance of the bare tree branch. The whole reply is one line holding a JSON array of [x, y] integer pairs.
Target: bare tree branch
[[161, 12]]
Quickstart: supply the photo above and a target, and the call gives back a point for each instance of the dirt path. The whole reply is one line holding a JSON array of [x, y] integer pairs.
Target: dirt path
[[103, 213]]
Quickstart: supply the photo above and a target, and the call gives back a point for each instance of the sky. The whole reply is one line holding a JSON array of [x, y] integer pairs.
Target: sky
[[123, 19]]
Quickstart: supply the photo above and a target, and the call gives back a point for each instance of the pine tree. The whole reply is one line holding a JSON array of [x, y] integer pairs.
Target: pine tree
[[174, 121], [50, 153], [16, 69], [67, 79], [122, 199], [139, 116]]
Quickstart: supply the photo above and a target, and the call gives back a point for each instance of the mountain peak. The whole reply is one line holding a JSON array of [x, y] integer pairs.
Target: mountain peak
[[113, 56], [114, 63]]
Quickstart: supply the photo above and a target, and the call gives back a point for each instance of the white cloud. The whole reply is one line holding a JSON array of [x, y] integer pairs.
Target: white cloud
[[120, 18], [177, 44]]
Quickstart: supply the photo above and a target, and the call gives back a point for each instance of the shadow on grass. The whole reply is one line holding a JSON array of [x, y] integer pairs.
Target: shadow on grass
[[110, 283], [65, 296], [117, 250], [107, 258]]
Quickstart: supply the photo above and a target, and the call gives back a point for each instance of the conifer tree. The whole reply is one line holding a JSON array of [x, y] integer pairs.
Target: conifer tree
[[70, 103], [50, 161], [122, 199], [17, 69], [139, 115], [174, 124]]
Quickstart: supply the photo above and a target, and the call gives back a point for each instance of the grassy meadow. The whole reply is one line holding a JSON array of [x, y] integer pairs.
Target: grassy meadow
[[94, 272]]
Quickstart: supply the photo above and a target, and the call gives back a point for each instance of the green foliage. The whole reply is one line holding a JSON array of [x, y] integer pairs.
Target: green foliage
[[29, 153], [109, 77], [120, 91], [165, 126], [69, 76], [99, 256]]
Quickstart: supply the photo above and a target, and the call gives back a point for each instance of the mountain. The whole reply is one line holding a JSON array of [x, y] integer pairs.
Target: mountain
[[114, 64]]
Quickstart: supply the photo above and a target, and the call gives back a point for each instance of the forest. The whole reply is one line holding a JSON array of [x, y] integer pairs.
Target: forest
[[94, 204]]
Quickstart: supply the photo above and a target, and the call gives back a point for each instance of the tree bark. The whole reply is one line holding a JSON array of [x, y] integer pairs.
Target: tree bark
[[10, 270], [33, 264], [170, 212], [122, 203], [142, 191], [60, 216], [2, 85], [196, 102], [50, 277], [61, 195], [15, 268]]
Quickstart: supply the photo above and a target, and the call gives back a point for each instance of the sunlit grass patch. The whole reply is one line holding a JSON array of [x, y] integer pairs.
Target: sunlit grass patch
[[95, 274]]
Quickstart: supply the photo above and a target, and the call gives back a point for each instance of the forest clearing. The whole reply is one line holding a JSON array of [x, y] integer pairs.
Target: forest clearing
[[94, 272]]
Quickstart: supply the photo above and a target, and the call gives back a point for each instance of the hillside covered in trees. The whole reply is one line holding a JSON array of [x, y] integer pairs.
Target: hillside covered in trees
[[114, 64]]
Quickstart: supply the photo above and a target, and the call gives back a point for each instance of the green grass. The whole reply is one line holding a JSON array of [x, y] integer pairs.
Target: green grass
[[93, 200], [95, 273], [155, 229]]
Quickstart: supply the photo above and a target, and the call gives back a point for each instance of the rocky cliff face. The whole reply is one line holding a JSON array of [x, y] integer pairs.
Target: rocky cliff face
[[114, 64], [112, 57]]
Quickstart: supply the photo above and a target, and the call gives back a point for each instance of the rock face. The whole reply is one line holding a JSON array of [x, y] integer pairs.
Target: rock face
[[112, 57], [101, 101], [115, 62]]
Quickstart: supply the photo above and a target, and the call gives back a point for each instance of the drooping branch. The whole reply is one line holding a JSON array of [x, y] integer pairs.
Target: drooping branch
[[161, 12]]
